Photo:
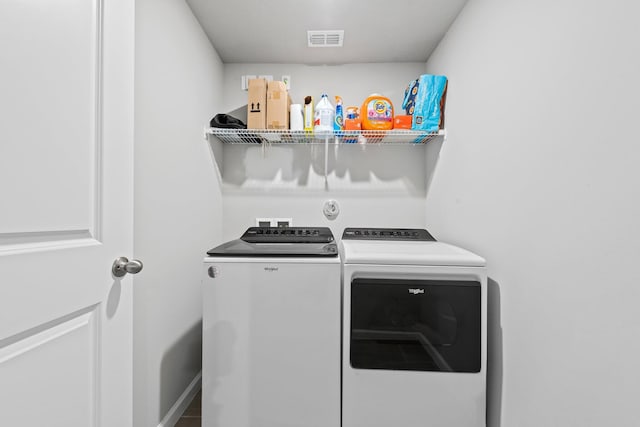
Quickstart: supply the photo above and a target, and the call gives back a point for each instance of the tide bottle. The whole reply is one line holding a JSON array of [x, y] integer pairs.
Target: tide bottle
[[377, 113]]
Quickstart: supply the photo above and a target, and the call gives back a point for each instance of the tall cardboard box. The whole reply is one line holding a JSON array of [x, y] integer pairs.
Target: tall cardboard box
[[257, 104], [278, 105]]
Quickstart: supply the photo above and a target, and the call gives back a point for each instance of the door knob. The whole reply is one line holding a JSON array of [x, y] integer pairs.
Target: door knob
[[122, 266]]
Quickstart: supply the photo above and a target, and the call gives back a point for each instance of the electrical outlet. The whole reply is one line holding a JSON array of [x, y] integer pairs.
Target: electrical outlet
[[281, 222], [263, 222], [274, 222], [244, 80]]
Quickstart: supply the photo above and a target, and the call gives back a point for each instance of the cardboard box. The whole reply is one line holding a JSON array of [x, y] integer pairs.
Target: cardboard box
[[278, 105], [257, 104]]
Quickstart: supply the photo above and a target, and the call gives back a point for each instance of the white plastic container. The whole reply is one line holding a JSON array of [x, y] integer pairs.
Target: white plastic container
[[324, 114], [296, 121]]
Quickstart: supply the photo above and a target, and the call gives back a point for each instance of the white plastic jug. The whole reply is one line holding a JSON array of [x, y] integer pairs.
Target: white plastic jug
[[296, 121], [324, 114]]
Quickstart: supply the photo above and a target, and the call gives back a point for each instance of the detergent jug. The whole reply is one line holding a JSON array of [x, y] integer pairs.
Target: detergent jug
[[323, 123], [377, 113]]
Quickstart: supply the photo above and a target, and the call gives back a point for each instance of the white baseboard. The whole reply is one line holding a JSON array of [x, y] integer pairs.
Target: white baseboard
[[182, 403]]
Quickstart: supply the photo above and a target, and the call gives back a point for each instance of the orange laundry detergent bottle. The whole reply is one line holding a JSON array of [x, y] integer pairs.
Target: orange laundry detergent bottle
[[377, 113]]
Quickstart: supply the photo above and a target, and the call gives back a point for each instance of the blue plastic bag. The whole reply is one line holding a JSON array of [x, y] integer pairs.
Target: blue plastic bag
[[424, 100]]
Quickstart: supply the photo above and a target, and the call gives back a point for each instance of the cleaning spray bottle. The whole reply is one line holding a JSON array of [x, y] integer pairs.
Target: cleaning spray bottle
[[338, 122]]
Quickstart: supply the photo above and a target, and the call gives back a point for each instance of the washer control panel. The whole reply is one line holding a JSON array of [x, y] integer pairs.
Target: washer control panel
[[288, 235], [407, 234]]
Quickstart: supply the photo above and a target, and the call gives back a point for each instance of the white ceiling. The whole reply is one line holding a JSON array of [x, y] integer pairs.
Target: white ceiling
[[275, 31]]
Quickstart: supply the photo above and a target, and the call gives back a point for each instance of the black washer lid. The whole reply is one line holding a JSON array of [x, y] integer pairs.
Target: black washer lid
[[403, 234], [280, 242]]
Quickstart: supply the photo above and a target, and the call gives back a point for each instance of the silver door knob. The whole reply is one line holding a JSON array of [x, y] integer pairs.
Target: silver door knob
[[122, 266]]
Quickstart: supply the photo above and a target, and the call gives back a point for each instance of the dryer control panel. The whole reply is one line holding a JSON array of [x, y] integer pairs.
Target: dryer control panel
[[408, 234]]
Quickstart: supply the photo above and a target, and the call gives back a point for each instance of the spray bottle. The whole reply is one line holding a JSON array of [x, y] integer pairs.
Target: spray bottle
[[338, 122]]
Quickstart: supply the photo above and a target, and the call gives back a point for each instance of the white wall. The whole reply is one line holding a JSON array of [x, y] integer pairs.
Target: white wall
[[539, 175], [375, 186], [177, 200]]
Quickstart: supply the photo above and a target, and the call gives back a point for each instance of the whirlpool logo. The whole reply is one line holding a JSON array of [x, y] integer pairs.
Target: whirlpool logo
[[416, 291], [271, 269]]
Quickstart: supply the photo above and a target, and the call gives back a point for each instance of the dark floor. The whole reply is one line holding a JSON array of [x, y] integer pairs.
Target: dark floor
[[192, 416]]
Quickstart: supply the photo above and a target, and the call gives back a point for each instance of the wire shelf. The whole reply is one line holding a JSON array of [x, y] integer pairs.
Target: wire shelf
[[274, 136]]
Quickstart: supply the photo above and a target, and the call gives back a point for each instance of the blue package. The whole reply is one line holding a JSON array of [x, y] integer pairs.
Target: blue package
[[410, 97], [424, 99]]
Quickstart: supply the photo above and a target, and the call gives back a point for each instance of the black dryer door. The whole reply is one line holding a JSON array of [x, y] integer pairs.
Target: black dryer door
[[416, 325]]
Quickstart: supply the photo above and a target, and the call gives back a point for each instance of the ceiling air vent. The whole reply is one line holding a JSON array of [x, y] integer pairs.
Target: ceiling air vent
[[325, 38]]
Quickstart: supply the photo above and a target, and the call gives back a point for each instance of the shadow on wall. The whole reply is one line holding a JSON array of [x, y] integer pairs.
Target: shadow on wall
[[432, 156], [494, 355], [407, 167], [113, 300], [220, 348], [179, 366]]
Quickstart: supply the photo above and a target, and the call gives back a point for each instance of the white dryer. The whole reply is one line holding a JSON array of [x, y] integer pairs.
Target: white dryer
[[271, 330], [414, 331]]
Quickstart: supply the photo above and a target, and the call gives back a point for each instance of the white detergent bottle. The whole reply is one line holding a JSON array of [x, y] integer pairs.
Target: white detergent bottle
[[324, 114]]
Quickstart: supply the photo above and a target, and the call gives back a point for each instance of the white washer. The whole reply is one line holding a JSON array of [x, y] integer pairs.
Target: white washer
[[271, 330], [414, 331]]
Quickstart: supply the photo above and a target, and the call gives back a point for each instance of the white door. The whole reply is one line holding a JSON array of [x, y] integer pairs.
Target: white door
[[66, 144]]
